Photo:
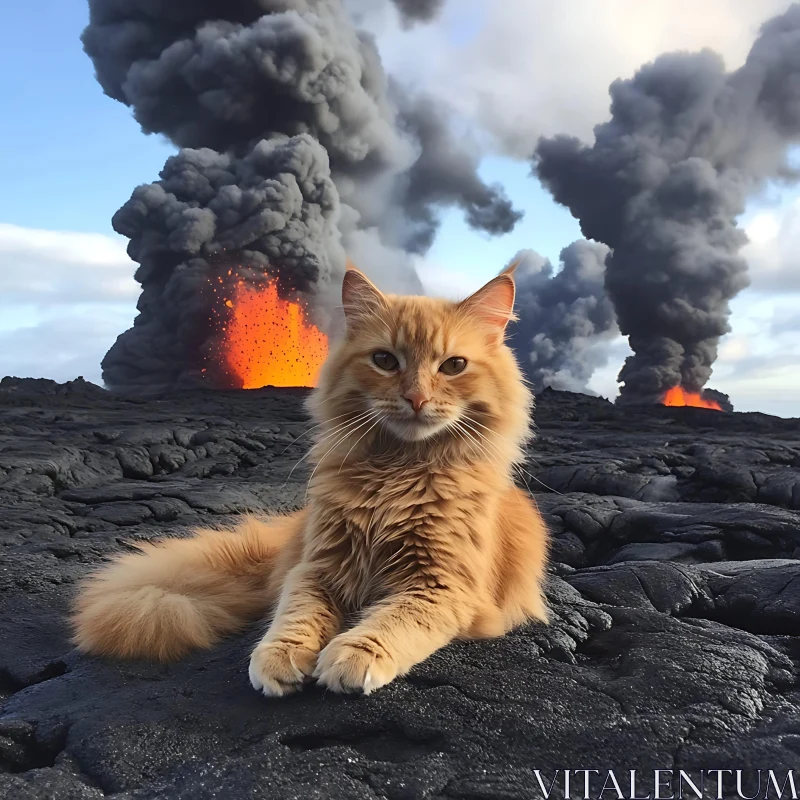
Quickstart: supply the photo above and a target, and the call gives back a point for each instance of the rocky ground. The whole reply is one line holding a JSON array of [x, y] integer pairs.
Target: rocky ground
[[675, 587]]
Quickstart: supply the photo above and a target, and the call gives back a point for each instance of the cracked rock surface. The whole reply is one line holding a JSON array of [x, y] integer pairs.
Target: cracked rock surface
[[674, 586]]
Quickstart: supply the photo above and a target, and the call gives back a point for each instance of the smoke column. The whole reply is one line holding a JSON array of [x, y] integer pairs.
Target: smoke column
[[565, 317], [662, 186], [295, 150]]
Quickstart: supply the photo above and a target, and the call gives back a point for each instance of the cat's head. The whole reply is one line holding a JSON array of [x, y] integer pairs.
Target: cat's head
[[421, 369]]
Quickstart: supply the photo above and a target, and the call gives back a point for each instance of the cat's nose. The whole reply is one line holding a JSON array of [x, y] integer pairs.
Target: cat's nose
[[417, 400]]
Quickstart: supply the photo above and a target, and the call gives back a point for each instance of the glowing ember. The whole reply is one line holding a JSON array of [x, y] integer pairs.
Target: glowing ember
[[677, 396], [267, 341]]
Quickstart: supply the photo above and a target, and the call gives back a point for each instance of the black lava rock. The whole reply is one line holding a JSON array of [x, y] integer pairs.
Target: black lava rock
[[675, 590]]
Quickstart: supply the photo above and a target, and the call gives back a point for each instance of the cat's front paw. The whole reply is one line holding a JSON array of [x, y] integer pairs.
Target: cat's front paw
[[352, 663], [279, 668]]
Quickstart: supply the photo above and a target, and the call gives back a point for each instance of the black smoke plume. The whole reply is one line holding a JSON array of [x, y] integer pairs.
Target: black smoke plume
[[719, 397], [565, 317], [663, 185], [274, 210], [232, 81]]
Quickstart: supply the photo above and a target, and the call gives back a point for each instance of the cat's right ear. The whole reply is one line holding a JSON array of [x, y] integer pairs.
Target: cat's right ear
[[360, 297]]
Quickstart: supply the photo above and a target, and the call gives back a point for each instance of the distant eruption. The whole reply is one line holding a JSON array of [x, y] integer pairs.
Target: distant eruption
[[261, 339], [663, 184], [295, 150], [680, 397]]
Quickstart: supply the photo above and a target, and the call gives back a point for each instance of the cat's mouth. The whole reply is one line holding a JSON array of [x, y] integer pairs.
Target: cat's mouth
[[416, 428]]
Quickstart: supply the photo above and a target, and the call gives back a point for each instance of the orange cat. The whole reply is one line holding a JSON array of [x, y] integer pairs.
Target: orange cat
[[413, 521]]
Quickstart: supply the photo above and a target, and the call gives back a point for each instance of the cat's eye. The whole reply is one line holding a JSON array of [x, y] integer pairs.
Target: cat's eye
[[386, 361], [453, 366]]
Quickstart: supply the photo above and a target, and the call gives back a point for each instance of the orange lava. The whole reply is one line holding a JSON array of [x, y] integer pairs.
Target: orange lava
[[678, 396], [267, 341]]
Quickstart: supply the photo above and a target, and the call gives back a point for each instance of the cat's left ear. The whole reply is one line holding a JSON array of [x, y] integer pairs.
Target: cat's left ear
[[511, 268], [360, 297], [494, 303]]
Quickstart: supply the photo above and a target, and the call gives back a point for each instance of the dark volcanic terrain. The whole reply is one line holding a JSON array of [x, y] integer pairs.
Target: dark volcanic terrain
[[675, 590]]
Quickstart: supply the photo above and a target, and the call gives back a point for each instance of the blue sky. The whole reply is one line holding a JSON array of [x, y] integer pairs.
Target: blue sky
[[71, 157], [546, 227]]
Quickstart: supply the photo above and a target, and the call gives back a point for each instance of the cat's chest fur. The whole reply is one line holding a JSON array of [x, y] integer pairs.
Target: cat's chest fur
[[377, 529]]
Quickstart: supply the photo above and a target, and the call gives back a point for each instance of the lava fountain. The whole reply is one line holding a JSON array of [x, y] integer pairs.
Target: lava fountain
[[678, 396], [263, 339]]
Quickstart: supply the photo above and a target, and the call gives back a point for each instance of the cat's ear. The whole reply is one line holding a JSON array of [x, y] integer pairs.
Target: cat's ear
[[511, 268], [360, 297], [494, 303]]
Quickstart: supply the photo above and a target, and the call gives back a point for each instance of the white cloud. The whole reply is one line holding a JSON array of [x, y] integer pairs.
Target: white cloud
[[535, 67], [604, 380], [773, 253], [46, 268], [63, 344], [758, 361], [64, 298], [785, 320], [441, 280]]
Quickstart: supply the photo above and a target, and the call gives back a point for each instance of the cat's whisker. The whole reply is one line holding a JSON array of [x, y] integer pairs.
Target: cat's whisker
[[511, 466], [476, 446], [519, 468], [488, 441], [472, 421], [314, 427], [514, 465], [377, 422], [323, 440], [455, 428], [348, 433], [343, 426], [542, 483], [482, 448], [344, 432], [333, 432]]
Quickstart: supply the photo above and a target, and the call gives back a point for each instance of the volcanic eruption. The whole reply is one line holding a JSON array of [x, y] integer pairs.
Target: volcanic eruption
[[680, 397], [663, 185], [263, 340], [295, 149]]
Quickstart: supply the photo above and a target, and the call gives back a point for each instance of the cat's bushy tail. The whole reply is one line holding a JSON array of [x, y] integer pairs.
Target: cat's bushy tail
[[179, 595]]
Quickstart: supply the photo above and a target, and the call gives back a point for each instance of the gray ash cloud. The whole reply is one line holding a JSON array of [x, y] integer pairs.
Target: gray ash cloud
[[663, 184], [565, 317], [445, 174], [719, 397], [269, 214], [223, 77]]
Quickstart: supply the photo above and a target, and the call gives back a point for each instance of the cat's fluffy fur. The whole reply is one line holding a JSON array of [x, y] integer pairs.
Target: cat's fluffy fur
[[414, 523]]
